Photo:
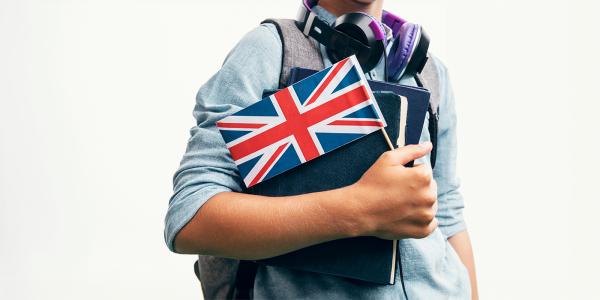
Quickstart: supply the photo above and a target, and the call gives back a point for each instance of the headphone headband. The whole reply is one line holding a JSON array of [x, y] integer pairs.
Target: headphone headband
[[306, 16], [392, 21], [363, 35]]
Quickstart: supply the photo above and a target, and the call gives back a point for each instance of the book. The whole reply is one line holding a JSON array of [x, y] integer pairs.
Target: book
[[301, 122], [418, 98], [368, 259]]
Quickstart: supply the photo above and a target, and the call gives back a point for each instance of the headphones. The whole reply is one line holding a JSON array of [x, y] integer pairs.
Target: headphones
[[361, 34]]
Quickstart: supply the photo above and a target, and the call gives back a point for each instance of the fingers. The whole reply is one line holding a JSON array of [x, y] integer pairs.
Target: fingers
[[406, 154], [419, 231], [435, 207], [425, 210], [422, 174]]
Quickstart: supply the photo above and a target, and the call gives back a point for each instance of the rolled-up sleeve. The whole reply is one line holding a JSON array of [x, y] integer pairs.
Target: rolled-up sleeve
[[450, 200], [251, 68]]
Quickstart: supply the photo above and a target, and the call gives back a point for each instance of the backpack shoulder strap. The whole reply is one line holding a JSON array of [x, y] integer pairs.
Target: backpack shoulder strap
[[298, 49], [431, 81], [217, 276]]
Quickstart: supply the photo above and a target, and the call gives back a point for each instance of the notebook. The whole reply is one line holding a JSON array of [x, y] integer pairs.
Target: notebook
[[418, 98], [368, 259]]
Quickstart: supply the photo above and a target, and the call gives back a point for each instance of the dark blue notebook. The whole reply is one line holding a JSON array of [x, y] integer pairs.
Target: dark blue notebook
[[364, 258], [418, 99]]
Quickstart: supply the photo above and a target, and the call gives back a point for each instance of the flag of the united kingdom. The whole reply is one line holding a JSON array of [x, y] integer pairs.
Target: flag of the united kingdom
[[301, 122]]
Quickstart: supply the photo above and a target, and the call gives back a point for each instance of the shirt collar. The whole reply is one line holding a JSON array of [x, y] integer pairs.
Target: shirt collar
[[324, 14]]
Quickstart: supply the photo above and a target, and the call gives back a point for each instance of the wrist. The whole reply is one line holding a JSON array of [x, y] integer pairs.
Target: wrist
[[344, 207]]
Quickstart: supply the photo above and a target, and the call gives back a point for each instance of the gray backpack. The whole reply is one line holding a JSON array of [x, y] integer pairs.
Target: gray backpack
[[224, 278]]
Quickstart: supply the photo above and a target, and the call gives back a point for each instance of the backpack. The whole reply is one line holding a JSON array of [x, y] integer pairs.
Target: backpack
[[225, 278]]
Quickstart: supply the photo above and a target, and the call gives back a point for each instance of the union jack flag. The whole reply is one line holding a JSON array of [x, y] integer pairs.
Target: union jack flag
[[301, 122]]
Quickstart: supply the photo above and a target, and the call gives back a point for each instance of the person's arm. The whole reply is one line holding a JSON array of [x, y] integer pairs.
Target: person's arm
[[450, 200], [389, 201], [461, 242], [206, 169]]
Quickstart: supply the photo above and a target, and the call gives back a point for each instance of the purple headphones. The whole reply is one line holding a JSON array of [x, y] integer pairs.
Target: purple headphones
[[362, 35]]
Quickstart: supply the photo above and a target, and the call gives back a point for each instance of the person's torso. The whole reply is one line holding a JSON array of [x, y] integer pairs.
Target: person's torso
[[430, 267]]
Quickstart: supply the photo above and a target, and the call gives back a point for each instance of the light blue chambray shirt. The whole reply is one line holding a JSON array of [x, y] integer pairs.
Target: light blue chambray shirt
[[431, 267]]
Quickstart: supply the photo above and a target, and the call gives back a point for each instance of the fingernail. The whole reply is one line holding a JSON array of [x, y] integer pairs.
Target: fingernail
[[425, 145]]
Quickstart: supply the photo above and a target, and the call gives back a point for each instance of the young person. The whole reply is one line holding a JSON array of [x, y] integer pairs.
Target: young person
[[423, 208]]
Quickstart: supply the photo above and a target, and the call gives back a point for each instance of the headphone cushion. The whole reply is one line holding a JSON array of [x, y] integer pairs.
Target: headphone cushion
[[402, 49], [364, 29]]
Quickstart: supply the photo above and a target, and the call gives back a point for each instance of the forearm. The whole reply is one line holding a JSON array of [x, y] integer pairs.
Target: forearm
[[461, 242], [253, 227]]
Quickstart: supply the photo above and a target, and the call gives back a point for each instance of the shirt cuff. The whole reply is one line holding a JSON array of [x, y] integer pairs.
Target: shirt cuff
[[184, 210], [450, 230]]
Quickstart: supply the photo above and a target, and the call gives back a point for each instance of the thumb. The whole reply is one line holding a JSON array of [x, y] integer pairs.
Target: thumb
[[406, 154]]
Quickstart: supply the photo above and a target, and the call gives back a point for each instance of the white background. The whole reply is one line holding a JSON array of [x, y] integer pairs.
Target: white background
[[95, 106]]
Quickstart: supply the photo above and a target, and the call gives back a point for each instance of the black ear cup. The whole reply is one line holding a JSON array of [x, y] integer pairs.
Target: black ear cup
[[362, 35], [363, 42]]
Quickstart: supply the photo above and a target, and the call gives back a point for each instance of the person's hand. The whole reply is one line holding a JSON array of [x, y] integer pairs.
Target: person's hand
[[391, 201]]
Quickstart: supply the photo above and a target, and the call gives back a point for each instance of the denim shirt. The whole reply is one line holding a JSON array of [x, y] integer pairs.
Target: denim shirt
[[431, 268]]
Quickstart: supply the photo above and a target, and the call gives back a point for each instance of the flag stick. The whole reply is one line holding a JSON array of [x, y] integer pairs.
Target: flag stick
[[387, 138]]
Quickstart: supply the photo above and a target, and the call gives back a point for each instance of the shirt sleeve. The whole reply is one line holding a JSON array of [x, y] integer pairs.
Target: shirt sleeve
[[450, 200], [251, 68]]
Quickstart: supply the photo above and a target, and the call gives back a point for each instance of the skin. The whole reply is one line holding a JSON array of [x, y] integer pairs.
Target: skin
[[390, 201], [461, 242], [340, 7]]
